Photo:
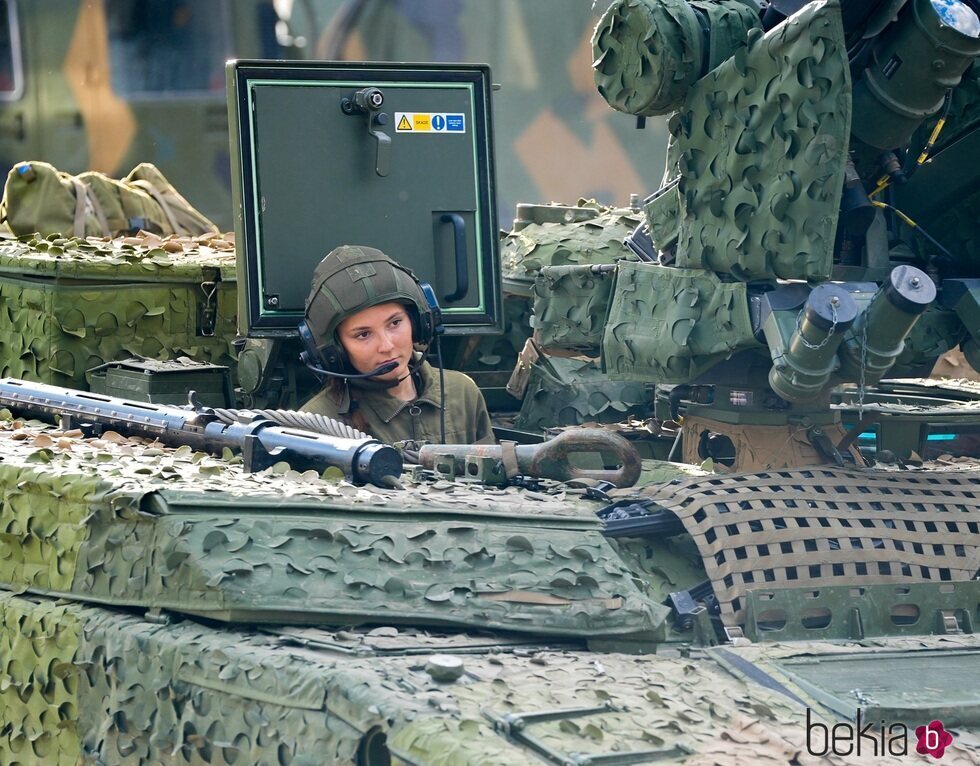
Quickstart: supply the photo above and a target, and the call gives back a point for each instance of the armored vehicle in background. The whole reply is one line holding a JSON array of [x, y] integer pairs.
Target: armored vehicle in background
[[262, 595]]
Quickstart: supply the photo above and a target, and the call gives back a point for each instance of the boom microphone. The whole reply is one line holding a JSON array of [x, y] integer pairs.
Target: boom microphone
[[386, 367]]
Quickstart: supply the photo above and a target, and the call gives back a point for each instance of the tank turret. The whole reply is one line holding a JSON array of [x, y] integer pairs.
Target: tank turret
[[789, 247]]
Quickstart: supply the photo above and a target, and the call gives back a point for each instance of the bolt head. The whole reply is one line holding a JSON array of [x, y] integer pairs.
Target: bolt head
[[444, 668]]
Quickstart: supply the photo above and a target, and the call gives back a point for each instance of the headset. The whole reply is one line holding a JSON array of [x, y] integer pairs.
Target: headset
[[330, 360]]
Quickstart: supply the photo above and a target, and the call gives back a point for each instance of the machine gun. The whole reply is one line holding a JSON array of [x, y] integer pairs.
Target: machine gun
[[260, 441]]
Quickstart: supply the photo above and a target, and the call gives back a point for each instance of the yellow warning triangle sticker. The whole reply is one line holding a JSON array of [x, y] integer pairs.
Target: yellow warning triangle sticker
[[404, 124]]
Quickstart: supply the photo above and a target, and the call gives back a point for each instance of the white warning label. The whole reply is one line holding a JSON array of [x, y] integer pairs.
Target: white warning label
[[430, 122]]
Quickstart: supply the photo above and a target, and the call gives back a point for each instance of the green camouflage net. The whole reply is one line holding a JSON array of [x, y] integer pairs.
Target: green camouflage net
[[38, 683], [564, 392], [648, 53], [139, 692], [669, 325], [662, 215], [570, 304], [599, 240], [185, 694], [128, 522], [43, 522], [68, 305], [760, 146]]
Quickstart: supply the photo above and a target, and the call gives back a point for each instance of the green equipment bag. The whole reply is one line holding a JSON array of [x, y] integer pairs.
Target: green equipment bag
[[37, 197]]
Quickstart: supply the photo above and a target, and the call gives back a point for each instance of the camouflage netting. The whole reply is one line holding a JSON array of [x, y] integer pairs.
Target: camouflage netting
[[669, 325], [139, 692], [68, 305], [647, 53], [122, 521], [564, 392], [760, 146], [38, 683], [596, 241], [570, 304], [662, 214]]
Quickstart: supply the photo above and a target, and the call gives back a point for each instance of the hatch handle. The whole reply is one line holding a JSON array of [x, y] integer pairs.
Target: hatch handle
[[459, 249], [368, 102]]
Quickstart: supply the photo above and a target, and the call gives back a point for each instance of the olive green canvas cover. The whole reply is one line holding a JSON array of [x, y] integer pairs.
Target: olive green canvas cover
[[70, 304], [570, 304], [37, 197], [573, 391], [760, 147], [669, 324]]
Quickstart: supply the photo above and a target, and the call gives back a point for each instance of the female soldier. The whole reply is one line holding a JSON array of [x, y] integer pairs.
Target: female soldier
[[367, 326]]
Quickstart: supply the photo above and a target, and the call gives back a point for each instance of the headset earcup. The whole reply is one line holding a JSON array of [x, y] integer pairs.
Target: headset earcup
[[331, 358], [334, 358]]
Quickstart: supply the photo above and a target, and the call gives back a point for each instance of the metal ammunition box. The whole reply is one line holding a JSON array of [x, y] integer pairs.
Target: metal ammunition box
[[167, 382]]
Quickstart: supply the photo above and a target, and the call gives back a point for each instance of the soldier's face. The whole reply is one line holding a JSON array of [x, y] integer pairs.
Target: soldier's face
[[376, 336]]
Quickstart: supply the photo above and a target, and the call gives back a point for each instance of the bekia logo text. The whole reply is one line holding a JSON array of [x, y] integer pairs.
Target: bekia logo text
[[871, 738]]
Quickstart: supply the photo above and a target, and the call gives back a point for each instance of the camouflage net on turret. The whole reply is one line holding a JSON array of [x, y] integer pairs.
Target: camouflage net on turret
[[669, 325], [68, 305], [551, 263], [760, 146], [647, 53], [598, 240]]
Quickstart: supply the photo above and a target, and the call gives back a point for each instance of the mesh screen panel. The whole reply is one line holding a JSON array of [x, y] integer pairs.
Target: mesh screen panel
[[828, 526]]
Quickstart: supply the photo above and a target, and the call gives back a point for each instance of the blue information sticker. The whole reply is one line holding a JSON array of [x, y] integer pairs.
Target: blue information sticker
[[455, 123]]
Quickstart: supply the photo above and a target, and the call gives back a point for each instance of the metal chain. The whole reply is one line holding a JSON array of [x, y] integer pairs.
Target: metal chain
[[825, 341]]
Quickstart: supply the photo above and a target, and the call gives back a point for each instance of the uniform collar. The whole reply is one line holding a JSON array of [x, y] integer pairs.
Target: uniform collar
[[387, 406]]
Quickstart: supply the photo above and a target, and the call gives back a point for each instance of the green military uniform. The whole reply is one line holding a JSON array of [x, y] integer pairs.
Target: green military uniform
[[392, 420]]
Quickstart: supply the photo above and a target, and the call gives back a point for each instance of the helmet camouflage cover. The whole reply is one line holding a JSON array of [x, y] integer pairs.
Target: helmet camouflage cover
[[352, 278]]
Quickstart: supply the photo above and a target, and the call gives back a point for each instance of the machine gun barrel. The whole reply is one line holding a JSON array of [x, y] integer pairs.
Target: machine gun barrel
[[261, 442]]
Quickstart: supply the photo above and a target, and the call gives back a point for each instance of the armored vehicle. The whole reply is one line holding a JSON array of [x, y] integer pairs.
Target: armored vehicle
[[207, 585]]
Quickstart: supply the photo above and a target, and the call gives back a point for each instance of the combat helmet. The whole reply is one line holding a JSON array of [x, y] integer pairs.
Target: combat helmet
[[349, 279]]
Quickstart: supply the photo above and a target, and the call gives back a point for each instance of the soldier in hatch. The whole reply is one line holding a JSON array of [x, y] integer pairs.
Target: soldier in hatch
[[367, 329]]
